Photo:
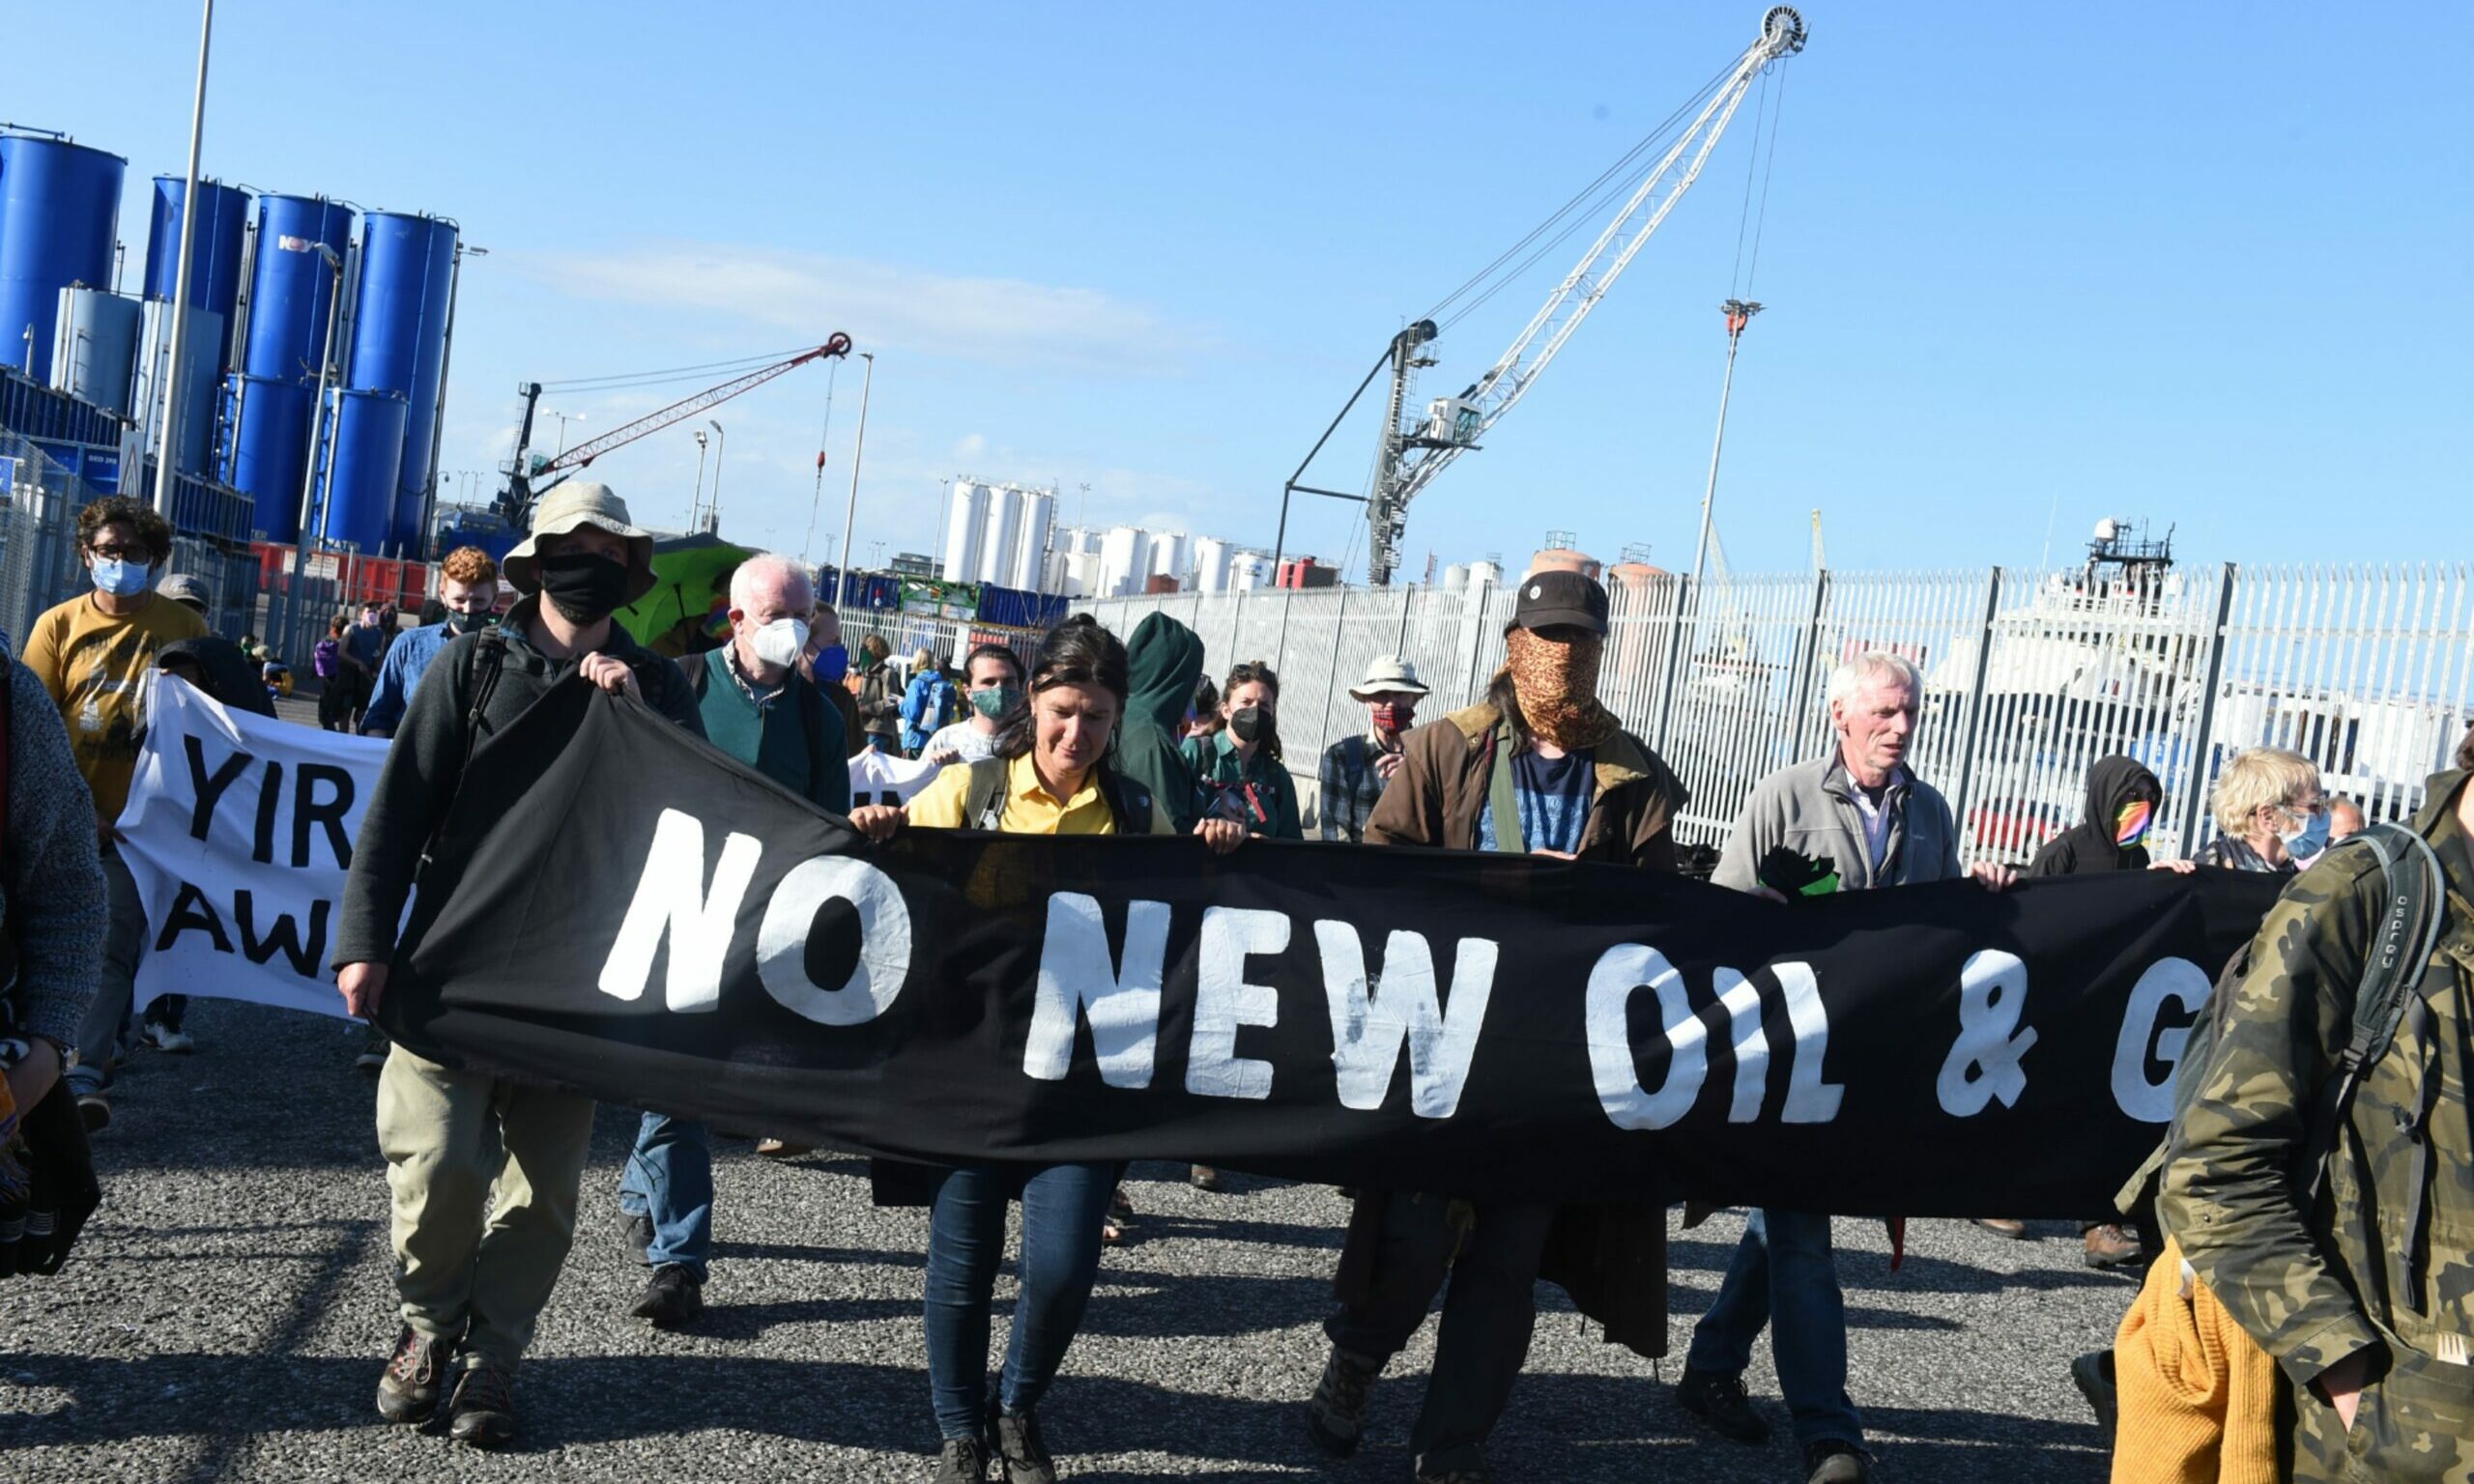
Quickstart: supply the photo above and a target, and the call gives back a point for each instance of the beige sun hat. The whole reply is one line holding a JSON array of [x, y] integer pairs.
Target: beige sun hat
[[1388, 673], [571, 506]]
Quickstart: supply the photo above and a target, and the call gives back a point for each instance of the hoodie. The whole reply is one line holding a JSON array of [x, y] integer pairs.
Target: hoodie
[[1163, 662], [2089, 847], [232, 679]]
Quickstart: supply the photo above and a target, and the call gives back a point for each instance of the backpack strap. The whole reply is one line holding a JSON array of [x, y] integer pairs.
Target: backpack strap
[[481, 670], [1131, 806], [984, 795], [15, 918]]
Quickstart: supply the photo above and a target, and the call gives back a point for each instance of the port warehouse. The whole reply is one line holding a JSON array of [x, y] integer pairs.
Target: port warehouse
[[274, 281]]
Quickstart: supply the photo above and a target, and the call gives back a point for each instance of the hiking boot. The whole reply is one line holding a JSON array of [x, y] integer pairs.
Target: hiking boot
[[1720, 1401], [373, 1052], [2093, 1375], [2005, 1226], [1019, 1447], [636, 1230], [2111, 1245], [673, 1298], [408, 1388], [1336, 1413], [963, 1461], [1832, 1461], [95, 1111], [482, 1412], [163, 1036], [1204, 1177]]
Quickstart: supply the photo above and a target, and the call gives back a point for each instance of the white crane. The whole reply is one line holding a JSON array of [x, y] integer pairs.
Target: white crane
[[1412, 455]]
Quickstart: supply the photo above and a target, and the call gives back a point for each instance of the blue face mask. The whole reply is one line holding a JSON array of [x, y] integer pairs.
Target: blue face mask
[[2309, 841], [122, 578], [832, 663]]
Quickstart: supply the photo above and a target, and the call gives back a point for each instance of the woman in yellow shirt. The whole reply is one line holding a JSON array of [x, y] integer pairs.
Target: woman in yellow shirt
[[1049, 777]]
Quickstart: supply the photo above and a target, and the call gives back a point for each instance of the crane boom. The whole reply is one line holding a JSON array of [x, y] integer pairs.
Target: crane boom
[[1412, 456], [517, 500]]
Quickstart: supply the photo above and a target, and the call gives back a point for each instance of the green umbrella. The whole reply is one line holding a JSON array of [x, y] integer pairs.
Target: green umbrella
[[689, 572]]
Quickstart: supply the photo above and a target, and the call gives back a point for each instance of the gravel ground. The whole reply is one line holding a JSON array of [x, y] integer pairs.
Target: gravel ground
[[230, 1307]]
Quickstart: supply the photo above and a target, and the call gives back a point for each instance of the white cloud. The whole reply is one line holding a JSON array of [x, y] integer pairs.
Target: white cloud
[[997, 320]]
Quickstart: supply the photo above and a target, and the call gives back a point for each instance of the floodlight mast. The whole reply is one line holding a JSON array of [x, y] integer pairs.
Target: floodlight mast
[[1411, 455]]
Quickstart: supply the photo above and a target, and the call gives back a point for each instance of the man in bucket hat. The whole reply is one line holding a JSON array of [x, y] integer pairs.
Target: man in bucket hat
[[473, 1274], [1356, 768]]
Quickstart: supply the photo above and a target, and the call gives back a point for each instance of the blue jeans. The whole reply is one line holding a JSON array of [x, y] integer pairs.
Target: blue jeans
[[1488, 1313], [1784, 1275], [1062, 1208], [670, 1178]]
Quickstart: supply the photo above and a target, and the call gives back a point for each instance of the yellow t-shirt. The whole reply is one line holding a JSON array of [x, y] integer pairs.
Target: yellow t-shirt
[[99, 668], [1029, 808]]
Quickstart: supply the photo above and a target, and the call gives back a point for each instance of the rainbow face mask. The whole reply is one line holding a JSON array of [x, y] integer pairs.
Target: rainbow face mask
[[2130, 826]]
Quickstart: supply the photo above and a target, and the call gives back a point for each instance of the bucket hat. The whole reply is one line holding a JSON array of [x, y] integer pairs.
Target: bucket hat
[[573, 506], [1388, 673]]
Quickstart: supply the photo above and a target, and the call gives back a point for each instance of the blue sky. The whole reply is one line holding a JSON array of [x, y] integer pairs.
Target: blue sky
[[2027, 266]]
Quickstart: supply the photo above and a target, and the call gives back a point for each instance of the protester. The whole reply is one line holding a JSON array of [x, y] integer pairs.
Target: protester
[[54, 907], [189, 593], [1202, 713], [878, 705], [94, 655], [759, 710], [366, 645], [929, 704], [468, 589], [1049, 776], [338, 687], [1240, 771], [994, 677], [474, 1266], [2270, 814], [2365, 1296], [1164, 659], [1858, 819], [1585, 789], [1356, 768], [2345, 819]]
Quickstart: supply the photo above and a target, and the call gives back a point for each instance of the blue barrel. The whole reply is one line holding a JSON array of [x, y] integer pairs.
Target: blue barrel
[[360, 483], [291, 287], [59, 206], [215, 252], [399, 341], [268, 451]]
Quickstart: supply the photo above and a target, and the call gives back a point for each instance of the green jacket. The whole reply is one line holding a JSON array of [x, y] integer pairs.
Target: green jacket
[[1163, 662], [1272, 811], [2385, 1260]]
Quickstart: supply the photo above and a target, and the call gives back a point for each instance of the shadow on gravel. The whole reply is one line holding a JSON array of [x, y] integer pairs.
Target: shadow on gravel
[[1920, 1271], [785, 1252], [1175, 1305]]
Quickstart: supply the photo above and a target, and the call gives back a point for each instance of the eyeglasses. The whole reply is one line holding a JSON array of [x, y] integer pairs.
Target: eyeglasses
[[123, 553]]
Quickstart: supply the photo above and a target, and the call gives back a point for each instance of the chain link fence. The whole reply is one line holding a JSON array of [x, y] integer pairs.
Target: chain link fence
[[2030, 678]]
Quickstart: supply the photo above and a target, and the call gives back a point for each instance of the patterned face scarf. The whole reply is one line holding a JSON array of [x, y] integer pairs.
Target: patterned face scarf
[[2130, 825], [1557, 684]]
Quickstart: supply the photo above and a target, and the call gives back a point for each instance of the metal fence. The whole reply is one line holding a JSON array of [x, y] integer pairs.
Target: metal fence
[[2030, 678]]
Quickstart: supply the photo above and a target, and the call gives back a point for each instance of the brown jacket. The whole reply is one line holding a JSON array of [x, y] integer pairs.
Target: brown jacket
[[1611, 1259], [1445, 766]]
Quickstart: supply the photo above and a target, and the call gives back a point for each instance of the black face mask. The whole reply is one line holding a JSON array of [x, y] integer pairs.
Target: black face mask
[[585, 589], [467, 623], [1248, 722]]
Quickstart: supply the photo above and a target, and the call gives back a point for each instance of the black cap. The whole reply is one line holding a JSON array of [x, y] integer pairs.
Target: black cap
[[1559, 597]]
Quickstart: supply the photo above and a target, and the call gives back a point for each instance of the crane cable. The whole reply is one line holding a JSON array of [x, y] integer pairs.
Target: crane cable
[[1765, 133], [618, 381]]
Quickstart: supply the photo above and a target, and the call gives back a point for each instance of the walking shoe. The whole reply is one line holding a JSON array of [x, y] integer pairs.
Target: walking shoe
[[2005, 1226], [782, 1149], [673, 1298], [163, 1036], [1019, 1447], [2112, 1245], [2093, 1375], [95, 1111], [373, 1052], [963, 1461], [1832, 1461], [1720, 1401], [1477, 1472], [1204, 1177], [482, 1412], [1336, 1413], [408, 1388], [636, 1230]]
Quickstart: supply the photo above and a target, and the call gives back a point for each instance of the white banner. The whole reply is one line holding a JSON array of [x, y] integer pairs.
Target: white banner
[[881, 778], [238, 831]]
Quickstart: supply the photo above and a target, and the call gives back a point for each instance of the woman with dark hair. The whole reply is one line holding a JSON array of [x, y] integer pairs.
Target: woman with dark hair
[[1240, 771], [1049, 776]]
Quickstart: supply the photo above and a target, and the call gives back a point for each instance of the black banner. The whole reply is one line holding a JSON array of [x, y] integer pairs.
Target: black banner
[[634, 917]]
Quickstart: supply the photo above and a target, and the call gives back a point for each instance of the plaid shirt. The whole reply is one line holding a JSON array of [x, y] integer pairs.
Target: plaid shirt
[[1349, 785]]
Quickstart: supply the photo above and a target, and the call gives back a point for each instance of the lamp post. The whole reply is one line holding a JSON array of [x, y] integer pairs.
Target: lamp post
[[171, 423], [696, 503], [721, 447], [850, 506], [1738, 313], [317, 415], [563, 419], [446, 360]]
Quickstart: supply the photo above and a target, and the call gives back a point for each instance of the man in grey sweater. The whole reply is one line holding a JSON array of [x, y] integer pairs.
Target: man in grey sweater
[[471, 1274], [51, 894], [1854, 820]]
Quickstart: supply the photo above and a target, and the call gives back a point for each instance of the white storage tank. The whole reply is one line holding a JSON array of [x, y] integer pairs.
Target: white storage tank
[[997, 539], [964, 518], [1079, 574], [1485, 573], [1034, 518], [1211, 564], [1455, 577], [95, 355], [1169, 555], [1249, 570], [1125, 560]]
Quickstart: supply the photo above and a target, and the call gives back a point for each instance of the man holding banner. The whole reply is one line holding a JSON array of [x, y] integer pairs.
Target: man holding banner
[[469, 1294]]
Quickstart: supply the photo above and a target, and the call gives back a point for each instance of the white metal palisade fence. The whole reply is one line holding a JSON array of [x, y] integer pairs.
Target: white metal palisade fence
[[2028, 677]]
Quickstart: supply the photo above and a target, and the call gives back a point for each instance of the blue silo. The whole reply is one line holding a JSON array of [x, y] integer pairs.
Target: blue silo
[[290, 290], [399, 342], [59, 206], [368, 434], [215, 252]]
